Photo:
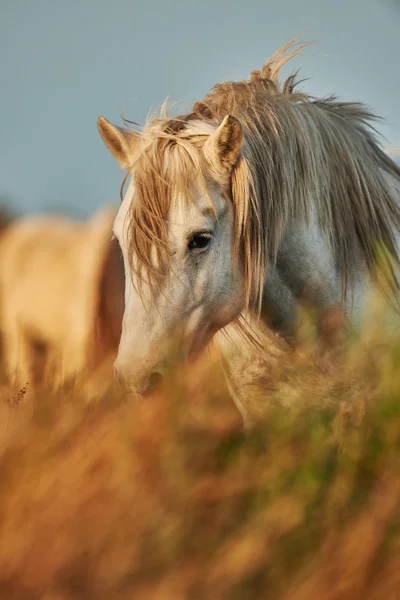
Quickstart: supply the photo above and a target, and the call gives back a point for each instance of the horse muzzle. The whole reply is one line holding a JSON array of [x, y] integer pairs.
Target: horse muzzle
[[137, 385]]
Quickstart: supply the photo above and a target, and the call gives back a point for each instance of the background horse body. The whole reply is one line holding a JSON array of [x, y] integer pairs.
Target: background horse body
[[59, 290], [260, 197]]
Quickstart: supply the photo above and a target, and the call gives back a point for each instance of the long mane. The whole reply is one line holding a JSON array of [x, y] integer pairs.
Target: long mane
[[303, 158]]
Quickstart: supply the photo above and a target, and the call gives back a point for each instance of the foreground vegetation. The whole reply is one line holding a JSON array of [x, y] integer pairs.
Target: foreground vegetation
[[169, 499]]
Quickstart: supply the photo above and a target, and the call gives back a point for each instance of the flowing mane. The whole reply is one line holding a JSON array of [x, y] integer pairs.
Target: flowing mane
[[303, 158]]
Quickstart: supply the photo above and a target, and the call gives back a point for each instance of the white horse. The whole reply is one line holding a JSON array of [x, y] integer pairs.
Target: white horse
[[259, 197]]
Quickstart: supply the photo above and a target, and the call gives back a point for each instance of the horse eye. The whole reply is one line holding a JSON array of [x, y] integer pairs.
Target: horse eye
[[199, 241]]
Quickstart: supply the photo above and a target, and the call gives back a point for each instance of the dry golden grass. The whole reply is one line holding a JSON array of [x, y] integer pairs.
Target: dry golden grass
[[169, 499]]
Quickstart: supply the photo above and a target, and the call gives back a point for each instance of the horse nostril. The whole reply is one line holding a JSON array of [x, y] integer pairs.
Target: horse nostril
[[155, 381], [140, 386]]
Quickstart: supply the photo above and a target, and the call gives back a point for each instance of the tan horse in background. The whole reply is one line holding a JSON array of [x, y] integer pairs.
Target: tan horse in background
[[61, 285]]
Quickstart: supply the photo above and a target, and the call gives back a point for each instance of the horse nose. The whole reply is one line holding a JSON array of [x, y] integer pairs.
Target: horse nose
[[144, 386]]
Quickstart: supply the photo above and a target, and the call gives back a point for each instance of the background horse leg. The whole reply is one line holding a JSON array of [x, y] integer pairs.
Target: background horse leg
[[17, 357], [69, 363]]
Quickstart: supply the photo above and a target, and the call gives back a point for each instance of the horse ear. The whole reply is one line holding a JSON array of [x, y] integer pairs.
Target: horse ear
[[226, 142], [120, 142]]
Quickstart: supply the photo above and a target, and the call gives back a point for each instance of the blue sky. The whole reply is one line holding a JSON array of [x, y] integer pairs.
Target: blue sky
[[64, 63]]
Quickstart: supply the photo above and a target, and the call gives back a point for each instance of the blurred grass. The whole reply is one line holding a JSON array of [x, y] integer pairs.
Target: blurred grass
[[169, 499]]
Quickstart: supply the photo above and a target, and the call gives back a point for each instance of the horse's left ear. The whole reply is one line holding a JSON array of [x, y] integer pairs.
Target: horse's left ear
[[226, 142]]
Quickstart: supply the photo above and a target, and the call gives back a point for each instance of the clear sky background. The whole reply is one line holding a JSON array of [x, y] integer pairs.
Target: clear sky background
[[65, 62]]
